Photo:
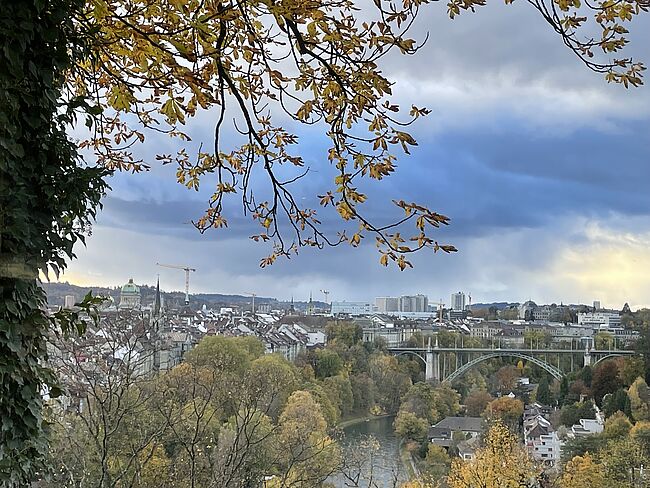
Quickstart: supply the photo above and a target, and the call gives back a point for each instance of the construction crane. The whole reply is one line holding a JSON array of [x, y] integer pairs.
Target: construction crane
[[326, 293], [187, 270]]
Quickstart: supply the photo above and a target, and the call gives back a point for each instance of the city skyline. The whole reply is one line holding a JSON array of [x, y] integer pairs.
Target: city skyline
[[318, 296]]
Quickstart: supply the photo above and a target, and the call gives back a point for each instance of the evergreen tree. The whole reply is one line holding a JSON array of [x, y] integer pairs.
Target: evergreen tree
[[586, 375], [618, 401], [564, 390], [544, 392]]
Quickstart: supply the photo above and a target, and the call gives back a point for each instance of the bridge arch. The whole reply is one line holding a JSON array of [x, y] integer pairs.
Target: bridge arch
[[412, 353], [555, 372], [608, 356]]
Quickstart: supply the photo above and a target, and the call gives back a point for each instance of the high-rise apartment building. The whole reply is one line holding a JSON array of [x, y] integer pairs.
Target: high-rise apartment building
[[458, 301], [387, 304], [415, 303]]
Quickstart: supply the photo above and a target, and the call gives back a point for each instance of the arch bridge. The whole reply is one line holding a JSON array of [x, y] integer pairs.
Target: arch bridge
[[467, 358]]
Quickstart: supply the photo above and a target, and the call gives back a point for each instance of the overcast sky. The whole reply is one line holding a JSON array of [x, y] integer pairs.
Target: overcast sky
[[543, 167]]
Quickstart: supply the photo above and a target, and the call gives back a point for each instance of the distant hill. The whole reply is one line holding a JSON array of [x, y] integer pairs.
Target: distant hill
[[497, 305], [56, 293]]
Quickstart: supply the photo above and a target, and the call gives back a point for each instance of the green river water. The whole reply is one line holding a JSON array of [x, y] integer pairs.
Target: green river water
[[372, 451]]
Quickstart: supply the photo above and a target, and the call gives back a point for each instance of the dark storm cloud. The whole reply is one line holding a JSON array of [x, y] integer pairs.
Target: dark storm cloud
[[510, 179], [483, 180]]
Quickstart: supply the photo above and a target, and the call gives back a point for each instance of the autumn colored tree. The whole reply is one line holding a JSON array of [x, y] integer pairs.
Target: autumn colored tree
[[642, 348], [501, 462], [506, 410], [330, 412], [604, 341], [506, 378], [604, 381], [348, 333], [328, 363], [111, 407], [339, 390], [582, 472], [392, 384], [315, 63], [624, 460], [447, 400], [630, 369], [307, 454], [476, 402], [409, 426], [420, 400], [226, 354], [618, 425], [364, 392], [577, 391], [436, 463], [639, 394], [640, 432]]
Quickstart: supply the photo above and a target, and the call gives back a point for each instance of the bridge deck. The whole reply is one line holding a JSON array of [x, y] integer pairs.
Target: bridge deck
[[623, 352]]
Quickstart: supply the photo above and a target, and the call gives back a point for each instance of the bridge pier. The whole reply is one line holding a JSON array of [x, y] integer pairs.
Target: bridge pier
[[432, 370], [587, 357]]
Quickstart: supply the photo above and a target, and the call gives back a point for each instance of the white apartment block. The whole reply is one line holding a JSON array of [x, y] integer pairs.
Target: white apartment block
[[352, 308], [587, 427], [596, 319], [547, 448]]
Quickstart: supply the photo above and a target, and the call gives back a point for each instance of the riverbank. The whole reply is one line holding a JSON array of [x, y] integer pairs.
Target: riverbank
[[406, 457], [349, 422]]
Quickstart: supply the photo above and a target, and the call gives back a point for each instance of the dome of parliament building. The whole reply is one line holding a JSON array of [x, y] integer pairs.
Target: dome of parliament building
[[130, 295]]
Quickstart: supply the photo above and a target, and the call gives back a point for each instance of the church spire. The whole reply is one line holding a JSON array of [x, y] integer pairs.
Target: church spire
[[156, 305]]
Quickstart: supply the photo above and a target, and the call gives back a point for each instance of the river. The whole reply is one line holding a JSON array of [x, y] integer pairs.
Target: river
[[371, 451]]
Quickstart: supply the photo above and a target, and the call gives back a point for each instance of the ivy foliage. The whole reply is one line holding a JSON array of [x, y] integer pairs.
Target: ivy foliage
[[48, 198]]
